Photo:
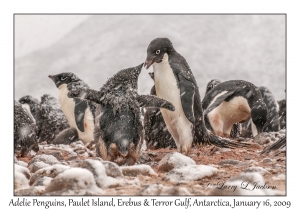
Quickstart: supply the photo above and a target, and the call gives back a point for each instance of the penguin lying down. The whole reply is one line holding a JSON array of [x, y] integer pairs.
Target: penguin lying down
[[236, 128], [118, 127], [234, 101]]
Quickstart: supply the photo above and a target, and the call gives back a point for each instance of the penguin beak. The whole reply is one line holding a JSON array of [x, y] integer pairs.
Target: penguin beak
[[51, 77], [149, 62]]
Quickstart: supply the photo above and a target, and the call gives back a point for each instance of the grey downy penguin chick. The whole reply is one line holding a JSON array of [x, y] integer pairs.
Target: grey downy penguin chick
[[119, 130], [25, 138], [234, 101], [273, 120], [31, 105], [174, 82], [273, 123], [156, 131], [281, 143], [79, 113], [236, 128], [282, 113], [49, 118]]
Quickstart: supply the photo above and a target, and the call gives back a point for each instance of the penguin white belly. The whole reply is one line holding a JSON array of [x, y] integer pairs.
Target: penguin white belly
[[68, 105], [228, 113], [177, 123]]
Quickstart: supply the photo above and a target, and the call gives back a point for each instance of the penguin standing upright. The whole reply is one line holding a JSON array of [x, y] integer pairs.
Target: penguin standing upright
[[49, 118], [79, 113], [175, 82], [236, 128], [156, 131], [25, 137], [234, 101], [119, 130]]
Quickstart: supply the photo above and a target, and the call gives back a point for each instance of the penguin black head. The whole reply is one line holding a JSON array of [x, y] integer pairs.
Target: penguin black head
[[123, 146], [64, 78], [156, 50], [28, 100], [124, 78], [31, 102], [211, 84]]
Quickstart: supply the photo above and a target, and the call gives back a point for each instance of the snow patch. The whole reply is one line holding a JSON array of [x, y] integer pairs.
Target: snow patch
[[190, 173], [138, 170], [20, 182]]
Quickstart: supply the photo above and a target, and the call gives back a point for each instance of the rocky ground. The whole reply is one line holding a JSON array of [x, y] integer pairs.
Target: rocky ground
[[75, 170]]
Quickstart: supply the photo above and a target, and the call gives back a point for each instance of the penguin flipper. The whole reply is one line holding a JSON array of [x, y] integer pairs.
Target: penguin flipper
[[277, 145], [218, 101], [66, 136], [187, 92], [154, 101], [80, 107]]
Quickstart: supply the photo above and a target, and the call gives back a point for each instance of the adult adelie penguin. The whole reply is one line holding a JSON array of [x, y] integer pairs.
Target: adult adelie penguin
[[234, 101], [79, 113], [175, 82], [156, 131], [48, 116], [119, 130], [236, 128]]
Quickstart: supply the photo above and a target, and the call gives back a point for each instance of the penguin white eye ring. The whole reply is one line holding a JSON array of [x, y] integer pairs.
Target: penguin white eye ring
[[63, 78], [157, 52]]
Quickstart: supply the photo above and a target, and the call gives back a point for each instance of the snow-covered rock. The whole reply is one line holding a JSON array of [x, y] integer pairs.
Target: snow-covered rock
[[20, 181], [138, 170], [159, 189], [37, 166], [74, 181], [98, 171], [190, 173], [49, 159], [56, 153], [112, 169], [230, 161], [22, 170], [50, 171], [44, 181], [257, 169], [174, 160]]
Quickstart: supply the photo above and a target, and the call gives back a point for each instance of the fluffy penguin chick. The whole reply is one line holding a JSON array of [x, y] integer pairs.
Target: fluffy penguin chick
[[25, 137], [49, 118], [282, 113], [79, 113], [234, 101], [119, 131], [175, 82]]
